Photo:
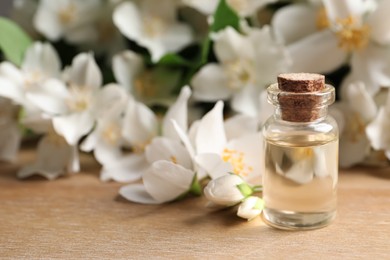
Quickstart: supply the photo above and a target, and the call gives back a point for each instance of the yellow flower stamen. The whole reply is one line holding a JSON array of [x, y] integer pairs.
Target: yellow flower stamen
[[111, 133], [322, 21], [68, 14], [239, 73], [33, 78], [236, 159], [173, 159], [154, 26], [351, 35], [80, 99]]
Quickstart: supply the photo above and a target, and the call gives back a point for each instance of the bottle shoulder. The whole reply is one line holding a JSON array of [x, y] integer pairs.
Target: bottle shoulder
[[276, 129]]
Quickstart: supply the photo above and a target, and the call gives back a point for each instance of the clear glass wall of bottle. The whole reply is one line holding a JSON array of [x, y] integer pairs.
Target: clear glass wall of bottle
[[301, 163]]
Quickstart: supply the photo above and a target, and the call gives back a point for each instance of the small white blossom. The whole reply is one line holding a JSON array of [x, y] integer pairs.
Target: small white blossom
[[153, 26], [215, 155], [378, 131], [54, 158], [250, 208], [248, 64], [73, 108], [350, 31], [225, 191], [356, 111], [71, 19], [243, 7], [150, 86]]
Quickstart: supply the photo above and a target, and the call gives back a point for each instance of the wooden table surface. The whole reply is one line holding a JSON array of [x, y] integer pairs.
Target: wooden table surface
[[79, 217]]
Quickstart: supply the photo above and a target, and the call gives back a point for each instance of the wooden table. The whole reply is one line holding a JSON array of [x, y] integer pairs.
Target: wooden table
[[79, 217]]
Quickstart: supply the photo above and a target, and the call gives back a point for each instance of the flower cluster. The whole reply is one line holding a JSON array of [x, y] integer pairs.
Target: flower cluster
[[146, 87]]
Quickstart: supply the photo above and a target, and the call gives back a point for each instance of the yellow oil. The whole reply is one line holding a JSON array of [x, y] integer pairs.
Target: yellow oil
[[300, 181]]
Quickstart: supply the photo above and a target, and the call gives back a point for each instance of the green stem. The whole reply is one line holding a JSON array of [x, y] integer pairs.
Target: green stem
[[257, 188]]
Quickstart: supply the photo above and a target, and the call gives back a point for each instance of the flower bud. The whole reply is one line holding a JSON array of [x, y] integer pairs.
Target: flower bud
[[224, 190], [250, 208]]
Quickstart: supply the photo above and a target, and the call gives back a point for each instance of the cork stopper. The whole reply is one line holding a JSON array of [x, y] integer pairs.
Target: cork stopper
[[297, 107]]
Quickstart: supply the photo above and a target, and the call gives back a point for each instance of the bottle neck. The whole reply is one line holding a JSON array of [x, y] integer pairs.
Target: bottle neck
[[299, 115]]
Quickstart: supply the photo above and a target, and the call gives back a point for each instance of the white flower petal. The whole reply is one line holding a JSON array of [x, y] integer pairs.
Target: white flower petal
[[53, 156], [205, 6], [224, 190], [270, 58], [251, 147], [378, 130], [246, 101], [162, 148], [379, 22], [137, 193], [126, 66], [74, 160], [177, 36], [210, 83], [73, 126], [10, 90], [47, 23], [111, 101], [10, 137], [178, 112], [318, 53], [294, 22], [51, 97], [90, 142], [248, 7], [210, 137], [166, 181], [230, 45], [240, 125], [337, 112], [82, 34], [84, 71], [337, 10], [248, 209], [213, 165], [184, 138], [126, 168], [12, 73], [140, 124], [360, 101], [106, 154], [36, 121], [353, 151], [266, 110], [372, 66], [127, 19], [42, 57]]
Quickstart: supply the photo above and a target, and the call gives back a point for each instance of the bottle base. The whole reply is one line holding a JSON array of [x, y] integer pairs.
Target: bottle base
[[290, 220]]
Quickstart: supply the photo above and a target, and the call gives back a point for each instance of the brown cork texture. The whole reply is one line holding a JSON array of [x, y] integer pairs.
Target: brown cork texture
[[300, 108]]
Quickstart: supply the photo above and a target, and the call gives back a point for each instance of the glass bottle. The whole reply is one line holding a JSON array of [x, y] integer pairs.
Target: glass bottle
[[301, 157]]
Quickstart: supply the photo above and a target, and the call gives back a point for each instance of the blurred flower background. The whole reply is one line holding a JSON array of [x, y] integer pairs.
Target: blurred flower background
[[173, 91]]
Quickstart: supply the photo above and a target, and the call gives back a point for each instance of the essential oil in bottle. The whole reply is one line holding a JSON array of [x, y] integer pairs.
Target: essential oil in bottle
[[301, 154]]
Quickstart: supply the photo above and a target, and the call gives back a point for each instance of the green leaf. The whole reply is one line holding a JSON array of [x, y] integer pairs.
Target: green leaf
[[13, 41], [225, 16], [172, 59]]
